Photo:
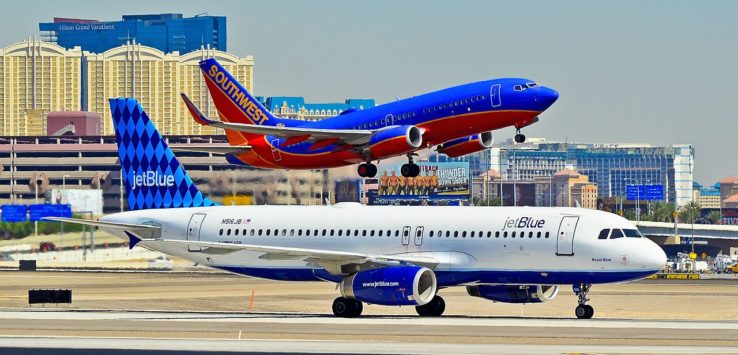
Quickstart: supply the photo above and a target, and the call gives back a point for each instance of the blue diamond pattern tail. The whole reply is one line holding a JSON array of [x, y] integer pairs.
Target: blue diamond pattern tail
[[151, 173]]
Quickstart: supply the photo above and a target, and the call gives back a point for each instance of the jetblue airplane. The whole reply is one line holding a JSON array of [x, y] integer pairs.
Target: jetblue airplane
[[458, 120], [383, 255]]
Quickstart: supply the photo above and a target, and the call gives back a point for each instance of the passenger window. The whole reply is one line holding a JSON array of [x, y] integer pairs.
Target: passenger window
[[616, 233], [463, 234], [513, 234], [315, 232], [497, 234], [530, 235], [456, 234], [323, 233], [397, 233], [276, 232], [380, 233], [539, 235], [260, 232], [340, 232], [252, 232], [471, 235], [489, 234], [284, 232], [221, 232], [546, 234], [371, 233], [332, 232], [448, 234], [363, 233], [235, 232], [431, 234], [356, 232], [389, 233], [292, 232], [604, 233], [348, 232]]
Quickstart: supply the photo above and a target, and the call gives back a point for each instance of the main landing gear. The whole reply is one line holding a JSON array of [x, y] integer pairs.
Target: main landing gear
[[583, 310], [410, 169], [519, 137], [347, 308], [434, 308], [367, 170]]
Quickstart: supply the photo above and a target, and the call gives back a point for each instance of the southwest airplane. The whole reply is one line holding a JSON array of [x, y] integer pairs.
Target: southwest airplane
[[458, 120], [384, 255]]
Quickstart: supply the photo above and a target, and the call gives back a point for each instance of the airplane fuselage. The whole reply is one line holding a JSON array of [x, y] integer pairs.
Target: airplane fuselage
[[474, 245]]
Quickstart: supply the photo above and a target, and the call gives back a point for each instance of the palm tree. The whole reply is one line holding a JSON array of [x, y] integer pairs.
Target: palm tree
[[662, 212], [714, 217], [689, 213]]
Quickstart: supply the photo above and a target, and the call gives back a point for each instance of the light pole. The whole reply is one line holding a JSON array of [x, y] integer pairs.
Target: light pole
[[64, 189]]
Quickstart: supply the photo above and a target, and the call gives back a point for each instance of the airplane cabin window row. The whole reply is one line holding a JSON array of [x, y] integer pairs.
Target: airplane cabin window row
[[390, 233]]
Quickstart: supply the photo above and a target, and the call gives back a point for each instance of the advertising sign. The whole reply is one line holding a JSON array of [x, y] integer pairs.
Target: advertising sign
[[81, 200], [436, 182], [14, 213], [645, 192], [38, 212], [729, 216]]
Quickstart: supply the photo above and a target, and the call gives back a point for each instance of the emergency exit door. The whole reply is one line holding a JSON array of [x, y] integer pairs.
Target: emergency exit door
[[193, 230]]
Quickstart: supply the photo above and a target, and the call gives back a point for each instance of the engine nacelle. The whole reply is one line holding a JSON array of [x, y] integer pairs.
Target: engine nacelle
[[391, 286], [467, 145], [515, 293], [395, 141]]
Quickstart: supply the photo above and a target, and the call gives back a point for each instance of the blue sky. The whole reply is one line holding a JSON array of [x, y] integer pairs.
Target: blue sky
[[657, 72]]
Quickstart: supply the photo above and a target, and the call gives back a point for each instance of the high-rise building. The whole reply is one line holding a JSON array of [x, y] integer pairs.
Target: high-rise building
[[611, 166], [156, 79], [36, 78], [165, 32]]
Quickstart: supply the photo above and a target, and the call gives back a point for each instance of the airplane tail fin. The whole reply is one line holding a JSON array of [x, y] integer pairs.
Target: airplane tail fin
[[152, 175], [233, 101]]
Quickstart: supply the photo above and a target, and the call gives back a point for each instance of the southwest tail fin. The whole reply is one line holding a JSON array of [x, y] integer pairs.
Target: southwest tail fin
[[152, 176], [234, 103]]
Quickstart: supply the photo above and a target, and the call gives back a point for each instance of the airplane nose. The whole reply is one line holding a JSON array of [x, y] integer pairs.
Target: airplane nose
[[545, 97], [656, 258]]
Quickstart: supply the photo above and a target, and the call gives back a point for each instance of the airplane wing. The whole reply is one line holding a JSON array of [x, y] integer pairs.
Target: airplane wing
[[214, 149], [335, 262], [296, 134]]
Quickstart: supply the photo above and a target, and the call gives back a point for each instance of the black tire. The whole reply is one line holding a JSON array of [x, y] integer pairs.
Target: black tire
[[356, 308], [582, 312], [415, 170], [519, 138], [372, 170], [590, 311], [406, 170], [343, 307], [362, 170], [434, 308]]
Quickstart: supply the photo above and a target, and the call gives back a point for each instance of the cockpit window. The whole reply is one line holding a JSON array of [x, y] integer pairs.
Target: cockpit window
[[632, 233], [531, 85], [518, 88], [616, 233], [604, 233]]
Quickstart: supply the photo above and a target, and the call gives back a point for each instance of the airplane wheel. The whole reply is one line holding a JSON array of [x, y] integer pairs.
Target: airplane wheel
[[363, 170], [434, 308], [347, 308], [416, 170], [406, 170], [520, 138], [372, 170], [584, 311]]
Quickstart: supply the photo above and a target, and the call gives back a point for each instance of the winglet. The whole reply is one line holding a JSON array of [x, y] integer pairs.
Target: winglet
[[132, 240], [195, 112]]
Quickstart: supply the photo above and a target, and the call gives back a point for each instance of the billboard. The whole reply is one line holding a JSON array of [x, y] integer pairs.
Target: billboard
[[644, 192], [38, 212], [81, 200], [729, 216], [14, 213], [437, 182]]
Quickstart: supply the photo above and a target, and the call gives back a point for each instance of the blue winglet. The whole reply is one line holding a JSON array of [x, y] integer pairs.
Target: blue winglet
[[132, 240]]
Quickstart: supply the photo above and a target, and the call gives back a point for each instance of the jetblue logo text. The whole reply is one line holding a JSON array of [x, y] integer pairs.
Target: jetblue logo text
[[381, 284], [239, 97], [523, 222], [152, 178]]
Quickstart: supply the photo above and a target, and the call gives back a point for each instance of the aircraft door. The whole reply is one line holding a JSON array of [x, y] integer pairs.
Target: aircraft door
[[193, 230], [494, 95], [419, 236], [565, 238], [406, 235], [390, 119], [275, 150]]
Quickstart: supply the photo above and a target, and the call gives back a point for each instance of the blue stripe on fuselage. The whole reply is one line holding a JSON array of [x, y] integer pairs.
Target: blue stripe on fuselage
[[455, 278]]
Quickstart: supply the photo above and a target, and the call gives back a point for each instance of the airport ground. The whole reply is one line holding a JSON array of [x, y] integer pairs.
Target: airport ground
[[212, 311]]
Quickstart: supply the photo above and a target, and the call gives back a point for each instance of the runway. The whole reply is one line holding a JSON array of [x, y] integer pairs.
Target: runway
[[290, 332], [163, 312]]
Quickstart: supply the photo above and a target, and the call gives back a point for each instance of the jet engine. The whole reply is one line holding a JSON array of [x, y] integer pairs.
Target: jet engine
[[515, 293], [467, 145], [391, 286], [395, 141]]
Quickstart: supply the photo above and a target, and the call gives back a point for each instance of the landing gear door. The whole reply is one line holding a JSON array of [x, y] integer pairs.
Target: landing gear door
[[406, 235], [565, 238], [193, 230]]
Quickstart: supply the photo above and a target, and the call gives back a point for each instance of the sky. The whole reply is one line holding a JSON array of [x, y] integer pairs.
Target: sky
[[658, 72]]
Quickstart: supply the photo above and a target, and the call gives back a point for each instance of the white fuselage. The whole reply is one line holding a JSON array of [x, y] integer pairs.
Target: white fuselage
[[474, 245]]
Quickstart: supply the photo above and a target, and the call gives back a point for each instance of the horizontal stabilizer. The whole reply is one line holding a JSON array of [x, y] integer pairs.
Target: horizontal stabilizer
[[114, 225]]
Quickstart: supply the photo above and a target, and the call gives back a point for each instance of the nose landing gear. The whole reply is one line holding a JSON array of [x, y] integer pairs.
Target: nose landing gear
[[583, 310]]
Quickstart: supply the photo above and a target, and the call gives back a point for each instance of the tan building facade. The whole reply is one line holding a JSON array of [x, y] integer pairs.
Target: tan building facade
[[36, 78], [156, 79], [570, 187]]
